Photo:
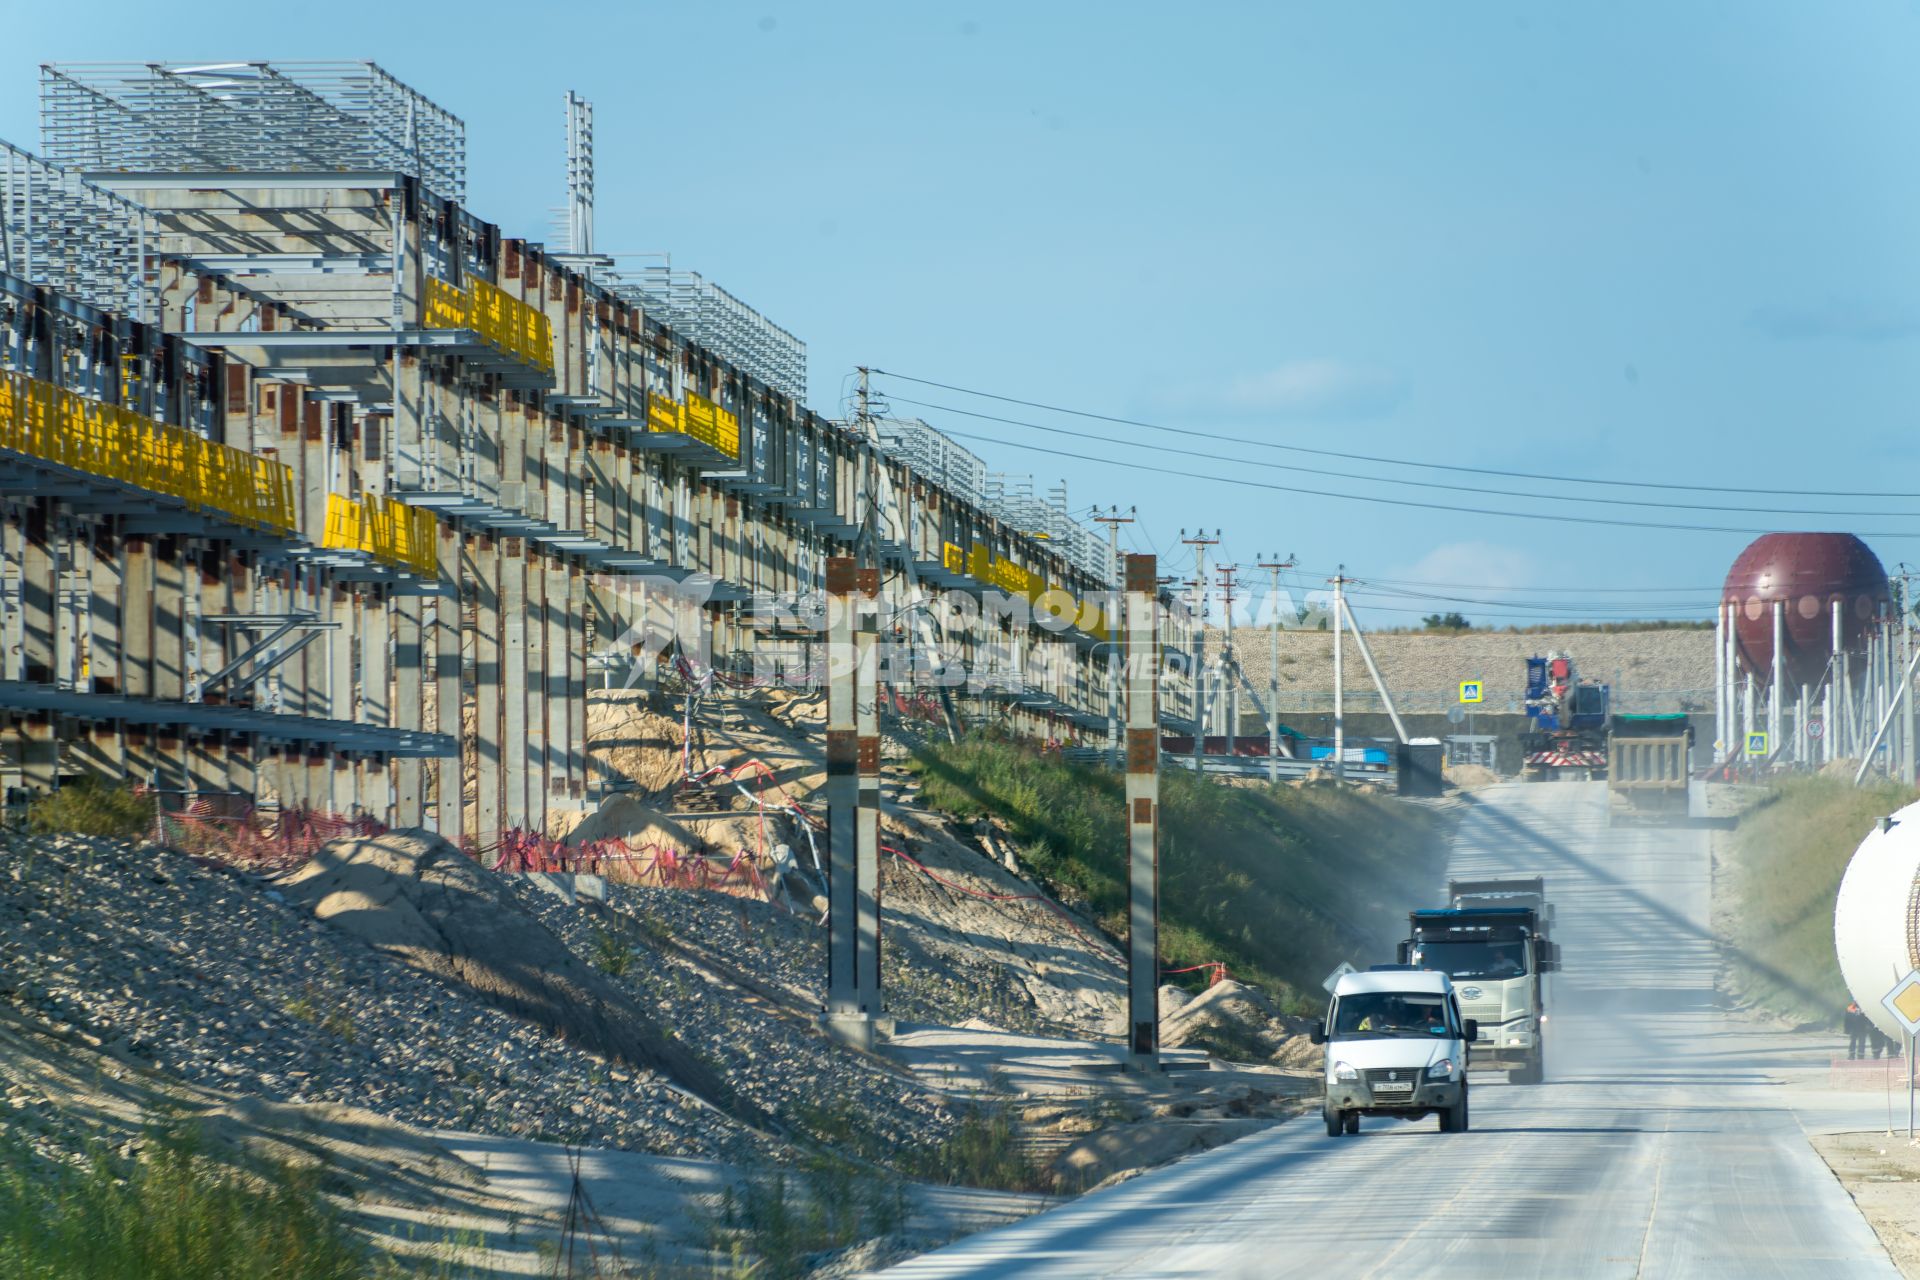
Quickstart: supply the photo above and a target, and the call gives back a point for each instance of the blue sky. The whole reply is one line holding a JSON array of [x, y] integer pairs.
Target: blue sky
[[1641, 241]]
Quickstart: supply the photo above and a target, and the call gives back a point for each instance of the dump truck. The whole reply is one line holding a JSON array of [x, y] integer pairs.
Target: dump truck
[[1650, 761], [1493, 939]]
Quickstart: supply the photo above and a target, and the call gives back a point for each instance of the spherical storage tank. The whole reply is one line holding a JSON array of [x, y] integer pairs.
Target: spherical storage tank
[[1807, 572], [1876, 920]]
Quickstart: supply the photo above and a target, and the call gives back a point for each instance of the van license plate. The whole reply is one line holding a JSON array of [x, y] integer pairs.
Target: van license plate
[[1393, 1086]]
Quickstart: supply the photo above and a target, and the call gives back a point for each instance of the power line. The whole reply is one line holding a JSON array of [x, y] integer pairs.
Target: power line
[[1394, 462], [1396, 502], [1420, 484]]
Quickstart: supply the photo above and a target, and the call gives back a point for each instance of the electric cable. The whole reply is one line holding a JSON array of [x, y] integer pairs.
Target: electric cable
[[1396, 462]]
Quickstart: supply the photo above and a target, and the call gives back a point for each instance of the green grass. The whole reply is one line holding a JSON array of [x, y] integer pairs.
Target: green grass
[[172, 1215], [90, 807], [1788, 859], [1280, 883]]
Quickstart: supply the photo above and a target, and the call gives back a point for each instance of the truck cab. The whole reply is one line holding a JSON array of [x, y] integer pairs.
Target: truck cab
[[1396, 1045], [1493, 943]]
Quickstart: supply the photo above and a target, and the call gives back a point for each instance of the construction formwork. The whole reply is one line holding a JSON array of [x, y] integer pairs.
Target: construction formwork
[[494, 476]]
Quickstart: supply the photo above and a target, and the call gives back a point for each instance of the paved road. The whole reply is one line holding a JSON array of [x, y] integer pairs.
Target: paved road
[[1663, 1143]]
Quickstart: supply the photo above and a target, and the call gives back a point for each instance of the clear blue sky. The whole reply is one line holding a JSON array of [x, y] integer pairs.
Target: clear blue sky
[[1633, 240]]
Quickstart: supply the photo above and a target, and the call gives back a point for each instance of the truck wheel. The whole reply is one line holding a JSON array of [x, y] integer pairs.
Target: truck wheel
[[1454, 1118], [1353, 1122], [1533, 1072], [1336, 1123]]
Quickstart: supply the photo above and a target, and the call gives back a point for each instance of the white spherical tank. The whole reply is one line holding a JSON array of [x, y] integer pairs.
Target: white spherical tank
[[1876, 920]]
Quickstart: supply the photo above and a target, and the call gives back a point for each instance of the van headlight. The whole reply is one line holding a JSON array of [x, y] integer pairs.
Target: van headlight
[[1441, 1070], [1342, 1071]]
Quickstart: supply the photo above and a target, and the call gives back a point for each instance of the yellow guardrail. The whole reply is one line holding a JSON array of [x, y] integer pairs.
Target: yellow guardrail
[[56, 425], [979, 564], [501, 320], [386, 529], [699, 417], [711, 425]]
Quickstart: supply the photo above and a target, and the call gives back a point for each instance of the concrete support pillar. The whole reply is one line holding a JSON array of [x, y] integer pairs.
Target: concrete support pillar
[[169, 657], [515, 748], [449, 772], [488, 638], [39, 585], [542, 750], [340, 689], [576, 683], [1140, 643], [409, 709], [376, 699]]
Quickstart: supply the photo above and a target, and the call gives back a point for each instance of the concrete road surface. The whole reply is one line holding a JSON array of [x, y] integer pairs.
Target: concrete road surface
[[1667, 1141]]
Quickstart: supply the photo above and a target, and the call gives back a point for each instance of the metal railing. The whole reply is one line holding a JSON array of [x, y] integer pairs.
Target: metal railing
[[386, 529], [55, 425], [502, 320]]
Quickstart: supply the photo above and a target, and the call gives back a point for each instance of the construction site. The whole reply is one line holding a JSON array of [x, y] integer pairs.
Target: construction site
[[323, 492]]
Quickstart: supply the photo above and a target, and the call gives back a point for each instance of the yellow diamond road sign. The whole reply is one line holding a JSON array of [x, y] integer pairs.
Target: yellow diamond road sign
[[1903, 1002], [1470, 691]]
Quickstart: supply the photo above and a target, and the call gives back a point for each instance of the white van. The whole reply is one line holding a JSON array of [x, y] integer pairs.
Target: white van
[[1396, 1046]]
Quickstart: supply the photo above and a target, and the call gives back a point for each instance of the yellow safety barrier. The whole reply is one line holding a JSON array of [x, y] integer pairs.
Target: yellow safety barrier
[[979, 564], [711, 425], [386, 529], [58, 426], [501, 320], [699, 417]]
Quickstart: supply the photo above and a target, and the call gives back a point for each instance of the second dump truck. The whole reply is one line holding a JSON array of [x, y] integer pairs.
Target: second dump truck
[[1651, 763], [1493, 940]]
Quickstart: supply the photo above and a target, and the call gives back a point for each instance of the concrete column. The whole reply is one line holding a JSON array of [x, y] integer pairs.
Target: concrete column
[[576, 683], [539, 752], [514, 743], [39, 587], [340, 642], [488, 636], [1139, 640], [449, 772], [169, 656], [409, 709], [559, 626], [376, 698]]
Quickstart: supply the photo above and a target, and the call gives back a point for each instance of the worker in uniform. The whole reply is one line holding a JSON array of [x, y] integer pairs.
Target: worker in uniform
[[1857, 1029]]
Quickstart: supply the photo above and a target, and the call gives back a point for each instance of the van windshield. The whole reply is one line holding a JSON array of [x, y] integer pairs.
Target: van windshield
[[1487, 961], [1418, 1014]]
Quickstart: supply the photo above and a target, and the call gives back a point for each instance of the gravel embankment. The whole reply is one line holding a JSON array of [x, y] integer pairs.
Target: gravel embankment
[[204, 974]]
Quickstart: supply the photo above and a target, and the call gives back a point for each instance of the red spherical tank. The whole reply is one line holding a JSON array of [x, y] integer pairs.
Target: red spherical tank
[[1807, 573]]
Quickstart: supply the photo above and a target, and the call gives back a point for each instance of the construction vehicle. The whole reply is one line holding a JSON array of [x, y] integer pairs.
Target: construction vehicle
[[1493, 941], [1649, 763], [1566, 721]]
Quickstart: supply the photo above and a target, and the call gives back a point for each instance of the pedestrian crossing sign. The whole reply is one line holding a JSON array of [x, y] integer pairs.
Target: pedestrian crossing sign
[[1903, 1002], [1470, 691], [1757, 744]]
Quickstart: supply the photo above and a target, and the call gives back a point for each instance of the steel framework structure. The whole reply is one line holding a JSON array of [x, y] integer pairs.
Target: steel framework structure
[[67, 234], [149, 117]]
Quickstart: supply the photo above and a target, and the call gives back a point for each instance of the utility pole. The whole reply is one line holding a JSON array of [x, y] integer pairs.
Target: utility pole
[[1113, 520], [1199, 542], [1229, 669], [1139, 633], [1339, 693], [869, 522], [1274, 566]]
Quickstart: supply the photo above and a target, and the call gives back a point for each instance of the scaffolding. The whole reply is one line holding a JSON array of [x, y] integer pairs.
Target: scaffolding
[[67, 234], [158, 117], [953, 466], [704, 313]]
